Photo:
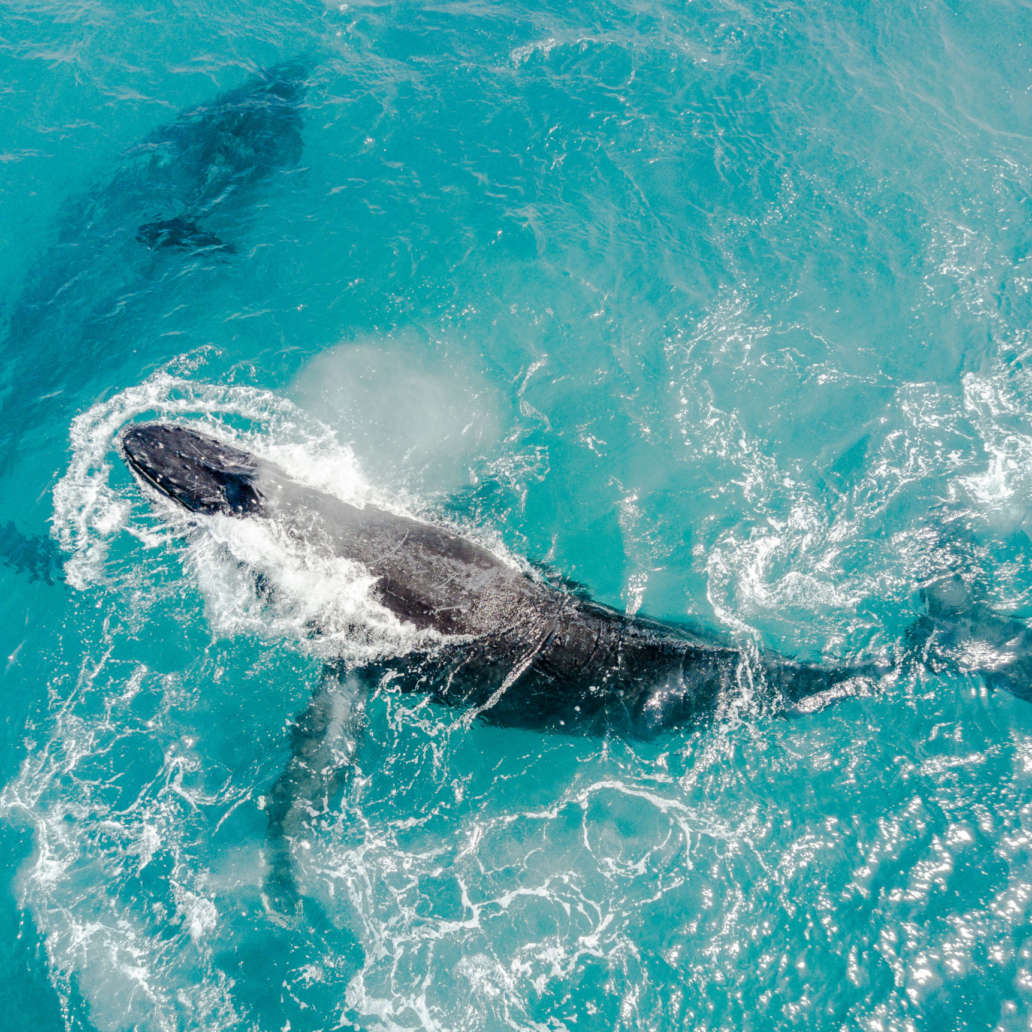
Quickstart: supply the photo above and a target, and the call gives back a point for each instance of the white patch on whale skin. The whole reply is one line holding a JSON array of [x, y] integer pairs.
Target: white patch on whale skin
[[321, 603]]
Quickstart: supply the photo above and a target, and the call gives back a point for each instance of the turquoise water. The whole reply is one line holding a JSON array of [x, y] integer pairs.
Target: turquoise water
[[720, 309]]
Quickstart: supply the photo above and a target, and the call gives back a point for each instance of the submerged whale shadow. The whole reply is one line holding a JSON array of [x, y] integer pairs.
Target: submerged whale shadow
[[180, 192]]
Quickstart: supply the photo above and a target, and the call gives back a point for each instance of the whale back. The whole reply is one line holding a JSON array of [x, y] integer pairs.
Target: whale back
[[512, 648], [525, 653], [426, 574]]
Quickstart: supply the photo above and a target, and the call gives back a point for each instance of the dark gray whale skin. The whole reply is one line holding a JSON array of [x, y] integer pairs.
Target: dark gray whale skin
[[517, 651]]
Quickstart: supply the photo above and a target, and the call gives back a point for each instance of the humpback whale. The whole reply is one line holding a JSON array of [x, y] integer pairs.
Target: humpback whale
[[180, 193], [510, 648]]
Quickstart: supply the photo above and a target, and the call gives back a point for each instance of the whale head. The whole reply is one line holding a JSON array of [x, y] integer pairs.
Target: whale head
[[201, 474]]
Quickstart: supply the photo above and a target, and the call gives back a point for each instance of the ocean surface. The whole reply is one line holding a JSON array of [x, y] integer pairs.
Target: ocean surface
[[721, 310]]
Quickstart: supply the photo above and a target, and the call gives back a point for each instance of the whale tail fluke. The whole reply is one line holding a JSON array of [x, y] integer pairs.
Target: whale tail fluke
[[959, 630]]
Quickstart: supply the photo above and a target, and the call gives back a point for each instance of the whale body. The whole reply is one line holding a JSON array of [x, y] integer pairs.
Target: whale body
[[513, 649], [180, 193]]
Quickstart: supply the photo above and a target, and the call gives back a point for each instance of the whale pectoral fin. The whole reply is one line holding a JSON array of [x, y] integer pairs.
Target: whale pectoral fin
[[323, 743], [183, 234]]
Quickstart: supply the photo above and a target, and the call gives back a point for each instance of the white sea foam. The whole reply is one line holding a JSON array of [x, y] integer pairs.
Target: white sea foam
[[107, 937], [302, 590], [305, 597], [89, 511]]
